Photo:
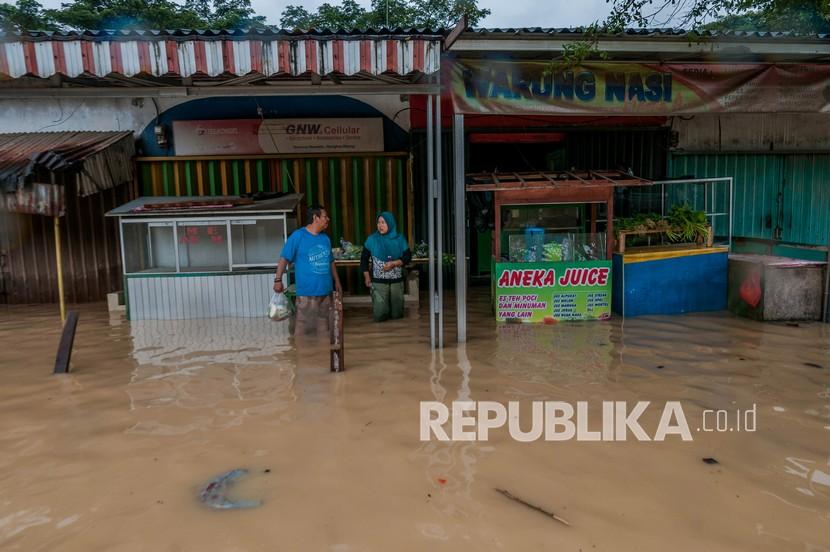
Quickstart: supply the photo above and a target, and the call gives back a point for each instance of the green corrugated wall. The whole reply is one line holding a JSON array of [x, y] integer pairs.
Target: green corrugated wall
[[777, 196], [353, 189]]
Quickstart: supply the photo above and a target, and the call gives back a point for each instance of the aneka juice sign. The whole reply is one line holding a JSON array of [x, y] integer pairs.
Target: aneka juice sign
[[512, 87], [552, 292], [266, 136]]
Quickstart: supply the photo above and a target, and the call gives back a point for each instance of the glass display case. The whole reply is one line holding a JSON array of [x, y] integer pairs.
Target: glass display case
[[549, 247], [215, 244], [195, 257], [551, 232]]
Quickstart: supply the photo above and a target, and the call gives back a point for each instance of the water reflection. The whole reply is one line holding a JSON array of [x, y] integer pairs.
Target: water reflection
[[450, 467], [214, 372]]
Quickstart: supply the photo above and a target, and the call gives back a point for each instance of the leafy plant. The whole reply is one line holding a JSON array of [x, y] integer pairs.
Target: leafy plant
[[687, 225], [683, 224]]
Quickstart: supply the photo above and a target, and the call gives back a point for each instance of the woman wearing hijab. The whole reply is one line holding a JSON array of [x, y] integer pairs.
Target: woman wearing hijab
[[384, 256]]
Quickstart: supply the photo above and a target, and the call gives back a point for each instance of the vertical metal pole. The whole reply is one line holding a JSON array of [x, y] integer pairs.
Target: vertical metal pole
[[59, 264], [730, 213], [439, 223], [431, 223], [460, 230]]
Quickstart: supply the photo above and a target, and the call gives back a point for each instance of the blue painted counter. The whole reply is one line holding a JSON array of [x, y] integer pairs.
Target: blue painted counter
[[670, 281]]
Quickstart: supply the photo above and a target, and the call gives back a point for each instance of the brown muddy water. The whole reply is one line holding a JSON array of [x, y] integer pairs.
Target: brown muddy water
[[113, 455]]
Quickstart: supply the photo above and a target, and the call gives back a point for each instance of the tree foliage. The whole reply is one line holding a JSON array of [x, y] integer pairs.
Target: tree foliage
[[349, 14], [795, 16], [798, 17], [129, 14], [25, 14]]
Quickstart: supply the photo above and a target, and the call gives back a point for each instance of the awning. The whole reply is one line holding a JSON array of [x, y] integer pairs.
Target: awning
[[173, 206], [219, 54], [99, 160]]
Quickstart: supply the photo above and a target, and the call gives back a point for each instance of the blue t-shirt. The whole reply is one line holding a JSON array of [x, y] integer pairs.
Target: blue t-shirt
[[311, 256]]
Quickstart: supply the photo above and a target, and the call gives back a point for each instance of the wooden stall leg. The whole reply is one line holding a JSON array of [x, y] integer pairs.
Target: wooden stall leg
[[336, 329]]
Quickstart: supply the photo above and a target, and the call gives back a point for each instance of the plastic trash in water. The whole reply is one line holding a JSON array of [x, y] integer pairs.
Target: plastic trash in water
[[278, 308], [214, 493]]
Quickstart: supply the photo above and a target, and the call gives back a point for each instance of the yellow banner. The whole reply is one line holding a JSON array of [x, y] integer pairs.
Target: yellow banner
[[511, 87]]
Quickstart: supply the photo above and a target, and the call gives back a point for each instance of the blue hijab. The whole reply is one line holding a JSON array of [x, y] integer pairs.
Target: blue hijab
[[390, 245]]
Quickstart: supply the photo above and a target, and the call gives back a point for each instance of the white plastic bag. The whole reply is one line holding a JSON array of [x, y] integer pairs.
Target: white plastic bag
[[278, 308]]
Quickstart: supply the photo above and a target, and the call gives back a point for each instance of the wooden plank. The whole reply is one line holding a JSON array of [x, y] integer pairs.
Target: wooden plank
[[357, 237], [343, 189], [65, 347], [176, 183], [390, 193], [200, 178], [336, 329], [410, 202], [575, 177], [223, 174], [248, 186], [321, 184], [623, 234], [379, 200], [368, 217]]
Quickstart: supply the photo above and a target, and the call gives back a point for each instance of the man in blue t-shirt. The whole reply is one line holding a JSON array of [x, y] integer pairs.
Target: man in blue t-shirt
[[309, 248]]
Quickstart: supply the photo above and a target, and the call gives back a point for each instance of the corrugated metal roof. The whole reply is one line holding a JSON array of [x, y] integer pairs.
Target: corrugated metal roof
[[207, 34], [573, 32], [105, 156], [215, 53]]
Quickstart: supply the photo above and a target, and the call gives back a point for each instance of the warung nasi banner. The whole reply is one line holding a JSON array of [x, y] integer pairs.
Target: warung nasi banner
[[513, 87], [552, 292]]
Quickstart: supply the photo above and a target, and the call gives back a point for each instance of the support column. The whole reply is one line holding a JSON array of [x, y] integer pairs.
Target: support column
[[460, 228], [439, 222], [431, 223]]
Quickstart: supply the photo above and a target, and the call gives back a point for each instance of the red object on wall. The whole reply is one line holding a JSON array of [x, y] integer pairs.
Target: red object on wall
[[750, 290]]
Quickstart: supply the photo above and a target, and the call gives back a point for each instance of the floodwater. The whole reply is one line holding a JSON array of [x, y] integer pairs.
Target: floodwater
[[113, 456]]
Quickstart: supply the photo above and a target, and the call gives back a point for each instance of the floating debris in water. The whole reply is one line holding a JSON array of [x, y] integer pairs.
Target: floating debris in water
[[510, 495], [214, 492], [710, 461], [660, 367], [813, 365]]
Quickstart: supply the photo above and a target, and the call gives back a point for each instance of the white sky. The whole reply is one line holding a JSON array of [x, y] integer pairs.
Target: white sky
[[506, 13]]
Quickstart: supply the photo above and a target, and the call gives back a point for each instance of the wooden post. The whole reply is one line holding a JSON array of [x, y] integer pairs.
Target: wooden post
[[609, 226], [65, 346], [336, 329], [59, 264]]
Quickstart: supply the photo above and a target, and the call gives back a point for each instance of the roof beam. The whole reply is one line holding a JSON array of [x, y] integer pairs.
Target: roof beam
[[644, 46], [361, 89]]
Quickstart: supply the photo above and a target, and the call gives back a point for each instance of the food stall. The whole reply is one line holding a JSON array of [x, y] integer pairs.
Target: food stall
[[551, 245], [201, 257], [675, 268]]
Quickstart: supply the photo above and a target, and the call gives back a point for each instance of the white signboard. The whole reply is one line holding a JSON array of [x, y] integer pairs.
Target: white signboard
[[256, 136]]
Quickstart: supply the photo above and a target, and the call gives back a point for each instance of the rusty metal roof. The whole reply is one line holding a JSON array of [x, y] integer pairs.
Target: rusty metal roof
[[181, 54], [104, 157], [207, 34]]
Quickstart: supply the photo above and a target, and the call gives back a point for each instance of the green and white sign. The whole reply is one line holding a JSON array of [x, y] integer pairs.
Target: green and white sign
[[552, 292]]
